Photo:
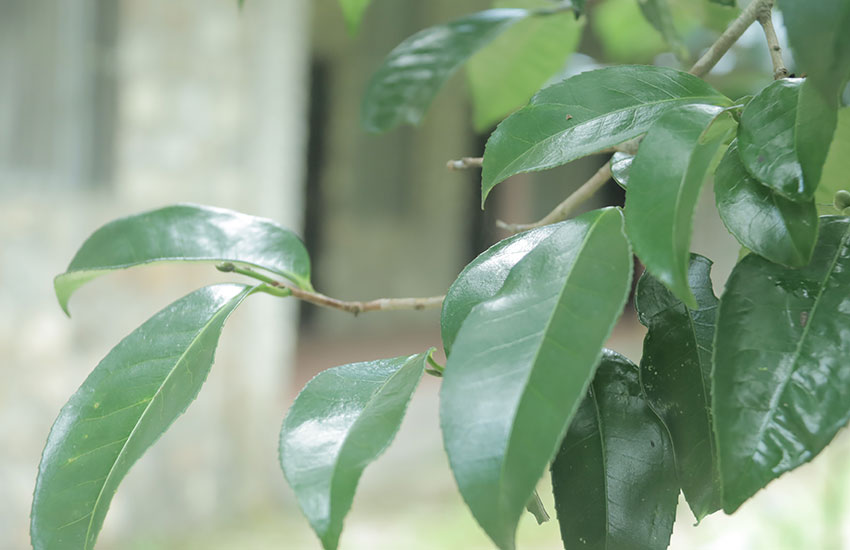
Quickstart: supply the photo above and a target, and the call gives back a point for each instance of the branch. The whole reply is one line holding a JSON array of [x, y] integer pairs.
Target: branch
[[381, 304], [279, 288], [465, 163], [563, 210], [766, 21], [730, 36]]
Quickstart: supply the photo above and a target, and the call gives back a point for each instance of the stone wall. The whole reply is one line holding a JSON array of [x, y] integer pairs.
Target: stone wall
[[108, 108]]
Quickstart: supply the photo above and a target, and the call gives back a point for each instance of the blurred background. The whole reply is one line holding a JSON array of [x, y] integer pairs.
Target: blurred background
[[109, 107]]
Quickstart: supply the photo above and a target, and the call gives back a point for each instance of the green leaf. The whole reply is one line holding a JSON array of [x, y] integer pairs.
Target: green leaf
[[186, 233], [122, 408], [781, 230], [483, 277], [614, 480], [730, 3], [504, 75], [412, 74], [675, 373], [836, 169], [664, 185], [818, 35], [522, 362], [352, 12], [621, 165], [578, 7], [781, 381], [586, 113], [342, 420], [658, 13], [784, 137]]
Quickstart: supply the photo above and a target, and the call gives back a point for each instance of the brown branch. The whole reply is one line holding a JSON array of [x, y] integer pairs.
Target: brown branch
[[765, 19], [283, 289], [731, 35], [563, 210], [381, 304]]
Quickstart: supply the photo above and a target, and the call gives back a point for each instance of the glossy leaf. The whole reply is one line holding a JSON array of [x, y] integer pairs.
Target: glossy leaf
[[352, 12], [614, 479], [483, 277], [621, 165], [412, 74], [586, 113], [186, 233], [675, 372], [122, 408], [664, 185], [342, 420], [836, 169], [522, 361], [784, 137], [781, 380], [504, 75], [658, 13], [779, 229], [818, 35]]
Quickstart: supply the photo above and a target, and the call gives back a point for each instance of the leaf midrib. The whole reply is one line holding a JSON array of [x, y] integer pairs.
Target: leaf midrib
[[222, 311], [775, 398], [603, 450], [533, 362]]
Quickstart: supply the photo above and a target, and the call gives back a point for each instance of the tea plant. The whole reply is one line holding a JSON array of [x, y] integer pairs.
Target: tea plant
[[730, 393]]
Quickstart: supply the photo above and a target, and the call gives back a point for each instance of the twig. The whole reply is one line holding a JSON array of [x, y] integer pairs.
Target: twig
[[381, 304], [465, 163], [729, 37], [563, 210], [765, 19]]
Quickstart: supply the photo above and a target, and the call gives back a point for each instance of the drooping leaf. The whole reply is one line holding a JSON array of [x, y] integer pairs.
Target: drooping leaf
[[621, 164], [781, 380], [412, 74], [836, 169], [779, 229], [522, 361], [658, 13], [352, 12], [664, 185], [614, 478], [342, 420], [586, 113], [504, 75], [186, 233], [784, 137], [578, 7], [122, 408], [818, 35], [675, 372], [483, 277]]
